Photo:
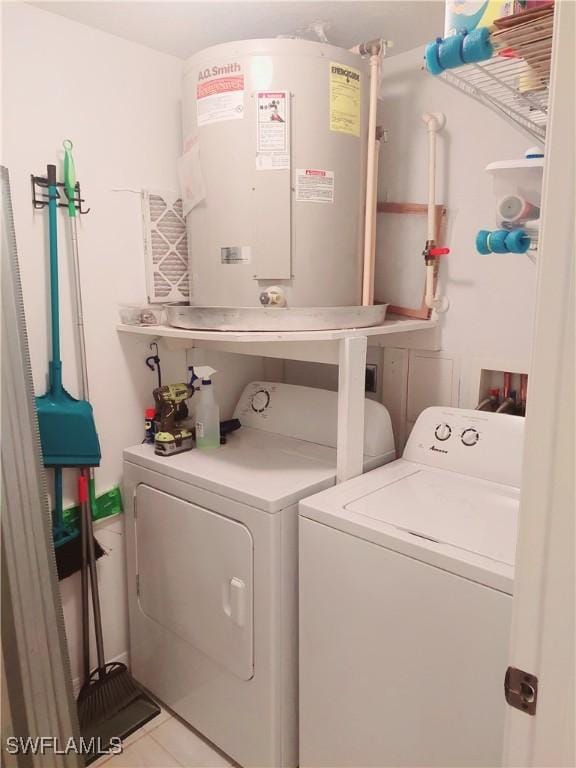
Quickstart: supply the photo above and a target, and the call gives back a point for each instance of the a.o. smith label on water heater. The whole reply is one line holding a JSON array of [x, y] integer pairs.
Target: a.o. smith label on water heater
[[314, 186], [220, 94], [235, 254]]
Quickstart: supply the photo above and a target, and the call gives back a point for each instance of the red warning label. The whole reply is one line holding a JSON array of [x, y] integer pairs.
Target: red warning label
[[220, 85], [314, 185], [220, 99]]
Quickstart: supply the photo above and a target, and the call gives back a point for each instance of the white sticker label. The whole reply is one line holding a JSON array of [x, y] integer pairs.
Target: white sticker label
[[314, 186], [219, 99], [199, 429], [235, 254], [190, 175], [273, 130]]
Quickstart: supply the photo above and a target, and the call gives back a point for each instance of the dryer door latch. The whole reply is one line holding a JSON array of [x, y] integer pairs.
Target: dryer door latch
[[521, 690], [234, 601]]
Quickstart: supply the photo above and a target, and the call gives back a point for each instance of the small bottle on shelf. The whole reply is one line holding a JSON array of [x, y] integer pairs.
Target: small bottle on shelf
[[207, 412], [149, 426]]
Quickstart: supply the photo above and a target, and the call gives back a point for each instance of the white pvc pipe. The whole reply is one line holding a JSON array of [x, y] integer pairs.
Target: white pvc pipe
[[371, 185], [432, 181], [434, 122], [375, 208], [429, 292]]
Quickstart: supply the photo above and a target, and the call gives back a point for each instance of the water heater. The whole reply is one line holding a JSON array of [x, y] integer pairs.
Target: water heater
[[273, 173]]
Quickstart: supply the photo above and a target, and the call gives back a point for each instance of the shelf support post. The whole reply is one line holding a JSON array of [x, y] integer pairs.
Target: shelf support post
[[351, 387]]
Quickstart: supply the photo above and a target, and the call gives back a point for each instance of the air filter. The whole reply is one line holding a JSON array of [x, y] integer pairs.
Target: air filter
[[166, 248]]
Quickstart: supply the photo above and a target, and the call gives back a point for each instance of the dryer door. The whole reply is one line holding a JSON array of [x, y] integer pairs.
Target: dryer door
[[195, 577]]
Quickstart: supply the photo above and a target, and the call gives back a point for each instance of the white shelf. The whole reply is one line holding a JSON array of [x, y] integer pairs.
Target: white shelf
[[536, 164], [345, 348], [393, 325], [312, 346]]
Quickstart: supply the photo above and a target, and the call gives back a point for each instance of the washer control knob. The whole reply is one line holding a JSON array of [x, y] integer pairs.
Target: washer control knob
[[260, 400], [443, 431], [470, 436]]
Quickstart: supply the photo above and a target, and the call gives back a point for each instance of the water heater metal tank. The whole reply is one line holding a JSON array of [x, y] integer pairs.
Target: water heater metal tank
[[273, 173]]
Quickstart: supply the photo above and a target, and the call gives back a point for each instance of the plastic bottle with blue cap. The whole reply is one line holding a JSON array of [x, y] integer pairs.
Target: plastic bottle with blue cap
[[207, 411]]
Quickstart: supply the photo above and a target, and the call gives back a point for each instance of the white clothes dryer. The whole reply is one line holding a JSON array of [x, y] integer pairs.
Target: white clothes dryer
[[212, 539], [406, 577]]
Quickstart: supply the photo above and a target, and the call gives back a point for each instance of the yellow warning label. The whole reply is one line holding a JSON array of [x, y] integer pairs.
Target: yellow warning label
[[344, 99]]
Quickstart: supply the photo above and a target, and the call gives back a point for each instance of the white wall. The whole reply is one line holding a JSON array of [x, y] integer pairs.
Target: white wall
[[491, 297], [325, 376], [120, 104]]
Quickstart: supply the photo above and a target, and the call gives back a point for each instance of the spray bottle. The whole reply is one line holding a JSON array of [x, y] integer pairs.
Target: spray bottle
[[207, 411]]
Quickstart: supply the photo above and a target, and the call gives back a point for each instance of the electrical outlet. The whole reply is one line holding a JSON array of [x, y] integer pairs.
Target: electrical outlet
[[371, 378]]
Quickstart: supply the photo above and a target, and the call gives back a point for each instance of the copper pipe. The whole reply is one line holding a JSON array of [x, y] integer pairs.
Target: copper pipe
[[523, 388], [507, 385]]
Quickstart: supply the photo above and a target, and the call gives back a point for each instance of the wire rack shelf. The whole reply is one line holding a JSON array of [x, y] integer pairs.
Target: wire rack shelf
[[515, 82]]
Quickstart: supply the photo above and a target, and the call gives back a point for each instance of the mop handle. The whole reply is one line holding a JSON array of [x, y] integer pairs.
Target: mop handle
[[54, 296], [69, 176], [83, 499], [69, 187], [96, 611]]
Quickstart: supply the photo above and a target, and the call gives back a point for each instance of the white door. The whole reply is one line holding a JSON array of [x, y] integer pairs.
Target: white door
[[195, 573], [543, 639]]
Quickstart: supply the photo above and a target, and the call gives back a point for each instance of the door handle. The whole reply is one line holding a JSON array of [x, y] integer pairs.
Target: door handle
[[235, 601]]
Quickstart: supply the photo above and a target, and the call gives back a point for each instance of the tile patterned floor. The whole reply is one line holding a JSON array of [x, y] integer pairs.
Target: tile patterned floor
[[165, 743]]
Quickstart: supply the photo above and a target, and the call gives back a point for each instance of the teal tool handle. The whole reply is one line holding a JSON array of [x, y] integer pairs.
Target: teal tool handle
[[53, 238], [69, 176]]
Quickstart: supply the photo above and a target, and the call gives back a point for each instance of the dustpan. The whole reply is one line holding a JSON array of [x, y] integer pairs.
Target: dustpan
[[67, 429]]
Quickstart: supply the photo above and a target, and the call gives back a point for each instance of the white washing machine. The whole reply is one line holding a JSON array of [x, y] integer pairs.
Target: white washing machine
[[406, 577], [212, 539]]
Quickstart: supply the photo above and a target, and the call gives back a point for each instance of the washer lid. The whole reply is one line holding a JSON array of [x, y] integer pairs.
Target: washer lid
[[477, 516]]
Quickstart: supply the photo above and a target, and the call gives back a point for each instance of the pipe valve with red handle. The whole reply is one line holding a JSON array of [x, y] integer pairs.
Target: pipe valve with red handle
[[432, 251]]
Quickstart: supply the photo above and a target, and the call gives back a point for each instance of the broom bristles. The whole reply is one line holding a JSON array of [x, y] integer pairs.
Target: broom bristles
[[106, 693], [69, 556]]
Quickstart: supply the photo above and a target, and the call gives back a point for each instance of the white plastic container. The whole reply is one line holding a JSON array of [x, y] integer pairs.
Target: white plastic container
[[275, 148], [207, 418]]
